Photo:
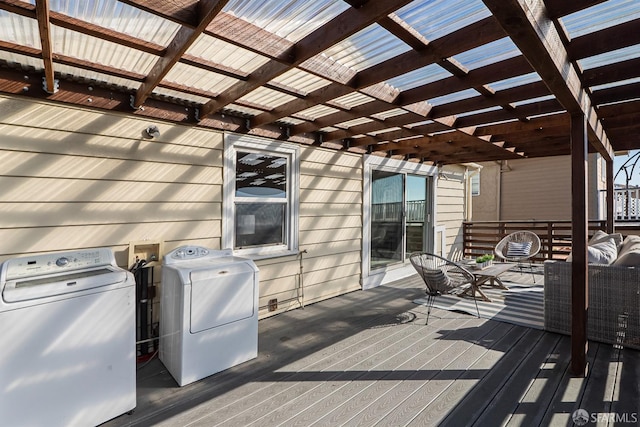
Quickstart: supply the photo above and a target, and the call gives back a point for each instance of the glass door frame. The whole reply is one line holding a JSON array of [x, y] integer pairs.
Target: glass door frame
[[372, 278]]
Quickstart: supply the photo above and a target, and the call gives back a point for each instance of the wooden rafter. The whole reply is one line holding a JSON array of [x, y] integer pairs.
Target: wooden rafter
[[44, 27], [606, 40], [349, 22], [186, 36], [534, 33], [558, 8]]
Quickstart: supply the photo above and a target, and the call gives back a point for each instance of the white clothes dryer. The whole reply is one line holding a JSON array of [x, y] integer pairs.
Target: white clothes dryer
[[67, 339], [209, 312]]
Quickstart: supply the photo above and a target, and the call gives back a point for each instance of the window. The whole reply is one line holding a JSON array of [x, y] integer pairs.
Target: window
[[475, 184], [260, 215]]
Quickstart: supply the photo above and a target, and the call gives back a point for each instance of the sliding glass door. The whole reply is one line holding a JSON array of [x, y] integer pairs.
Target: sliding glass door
[[399, 216]]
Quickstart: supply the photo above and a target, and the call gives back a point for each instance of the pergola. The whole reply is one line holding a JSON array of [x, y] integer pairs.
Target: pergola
[[437, 81]]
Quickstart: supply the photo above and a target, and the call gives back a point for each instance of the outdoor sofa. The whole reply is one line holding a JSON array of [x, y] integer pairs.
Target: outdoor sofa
[[614, 291]]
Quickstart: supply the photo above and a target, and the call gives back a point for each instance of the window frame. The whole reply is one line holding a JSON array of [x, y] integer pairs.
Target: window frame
[[233, 144], [475, 177]]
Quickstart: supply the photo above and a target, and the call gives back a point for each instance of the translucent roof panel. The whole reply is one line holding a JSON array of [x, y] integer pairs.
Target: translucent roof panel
[[20, 30], [290, 19], [317, 112], [533, 100], [419, 77], [198, 78], [74, 73], [119, 17], [390, 113], [301, 81], [600, 16], [180, 95], [221, 52], [612, 57], [368, 47], [515, 81], [267, 98], [489, 53], [452, 97], [82, 46], [354, 122], [437, 18], [617, 84], [24, 62], [484, 110], [352, 100]]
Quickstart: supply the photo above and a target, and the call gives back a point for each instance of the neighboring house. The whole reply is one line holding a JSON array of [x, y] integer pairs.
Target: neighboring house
[[76, 178], [535, 189]]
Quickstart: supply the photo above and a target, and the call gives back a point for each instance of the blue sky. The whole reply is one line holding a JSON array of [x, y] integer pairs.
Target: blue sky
[[618, 161]]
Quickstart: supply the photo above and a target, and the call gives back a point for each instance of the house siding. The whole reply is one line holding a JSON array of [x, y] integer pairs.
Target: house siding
[[74, 178], [533, 189]]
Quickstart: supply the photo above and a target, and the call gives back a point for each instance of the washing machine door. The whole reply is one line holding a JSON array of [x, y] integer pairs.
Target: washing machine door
[[221, 295]]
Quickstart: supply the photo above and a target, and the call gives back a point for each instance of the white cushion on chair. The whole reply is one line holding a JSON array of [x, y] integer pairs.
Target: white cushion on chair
[[518, 249]]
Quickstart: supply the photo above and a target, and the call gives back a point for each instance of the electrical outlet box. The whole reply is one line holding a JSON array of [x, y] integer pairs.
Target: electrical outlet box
[[273, 304]]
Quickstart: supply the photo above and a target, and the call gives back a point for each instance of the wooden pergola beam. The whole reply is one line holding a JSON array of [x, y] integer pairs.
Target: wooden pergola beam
[[185, 37], [531, 29], [559, 8], [44, 28], [344, 25]]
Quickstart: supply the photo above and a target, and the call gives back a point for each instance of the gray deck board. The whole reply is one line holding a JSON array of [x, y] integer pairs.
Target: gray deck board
[[367, 358]]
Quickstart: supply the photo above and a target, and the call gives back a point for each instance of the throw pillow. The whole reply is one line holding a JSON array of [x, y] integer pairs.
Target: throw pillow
[[518, 249], [630, 253], [604, 252], [600, 236]]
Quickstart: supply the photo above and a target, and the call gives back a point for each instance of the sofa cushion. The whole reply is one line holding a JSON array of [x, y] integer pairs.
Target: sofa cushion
[[601, 236], [604, 252], [629, 253]]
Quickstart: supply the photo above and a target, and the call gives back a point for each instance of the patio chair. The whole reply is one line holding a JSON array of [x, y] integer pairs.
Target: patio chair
[[519, 247], [441, 276]]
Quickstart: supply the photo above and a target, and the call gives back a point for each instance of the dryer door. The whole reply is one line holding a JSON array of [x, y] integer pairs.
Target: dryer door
[[221, 295]]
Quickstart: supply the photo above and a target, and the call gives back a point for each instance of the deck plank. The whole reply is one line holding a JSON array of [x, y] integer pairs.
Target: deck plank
[[368, 358]]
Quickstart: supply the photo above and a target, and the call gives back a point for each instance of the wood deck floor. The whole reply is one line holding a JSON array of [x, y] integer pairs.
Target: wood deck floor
[[367, 358]]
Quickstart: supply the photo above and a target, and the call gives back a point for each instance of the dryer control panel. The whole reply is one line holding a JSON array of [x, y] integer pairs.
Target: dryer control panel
[[187, 253], [38, 265]]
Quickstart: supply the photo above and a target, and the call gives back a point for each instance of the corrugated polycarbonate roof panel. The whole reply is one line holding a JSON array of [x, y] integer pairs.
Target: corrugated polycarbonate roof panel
[[612, 57], [221, 52], [600, 16], [352, 99], [119, 17], [98, 78], [367, 47], [290, 19], [82, 46], [515, 81], [180, 95], [389, 113], [267, 97], [452, 97], [301, 81], [19, 29], [198, 78], [24, 62], [317, 111], [419, 77], [437, 18], [489, 53]]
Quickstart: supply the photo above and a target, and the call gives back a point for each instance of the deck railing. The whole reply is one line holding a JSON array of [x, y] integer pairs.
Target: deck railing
[[627, 204], [481, 237]]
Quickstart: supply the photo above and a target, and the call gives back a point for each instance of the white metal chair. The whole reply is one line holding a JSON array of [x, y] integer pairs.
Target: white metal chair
[[441, 276], [519, 247]]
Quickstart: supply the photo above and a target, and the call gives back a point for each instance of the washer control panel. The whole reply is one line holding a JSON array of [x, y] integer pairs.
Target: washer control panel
[[38, 265]]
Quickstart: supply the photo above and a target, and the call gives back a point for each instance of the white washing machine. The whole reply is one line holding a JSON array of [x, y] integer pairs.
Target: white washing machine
[[209, 312], [67, 339]]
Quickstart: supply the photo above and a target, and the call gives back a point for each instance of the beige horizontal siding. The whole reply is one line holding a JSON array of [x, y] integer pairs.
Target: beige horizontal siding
[[74, 178]]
